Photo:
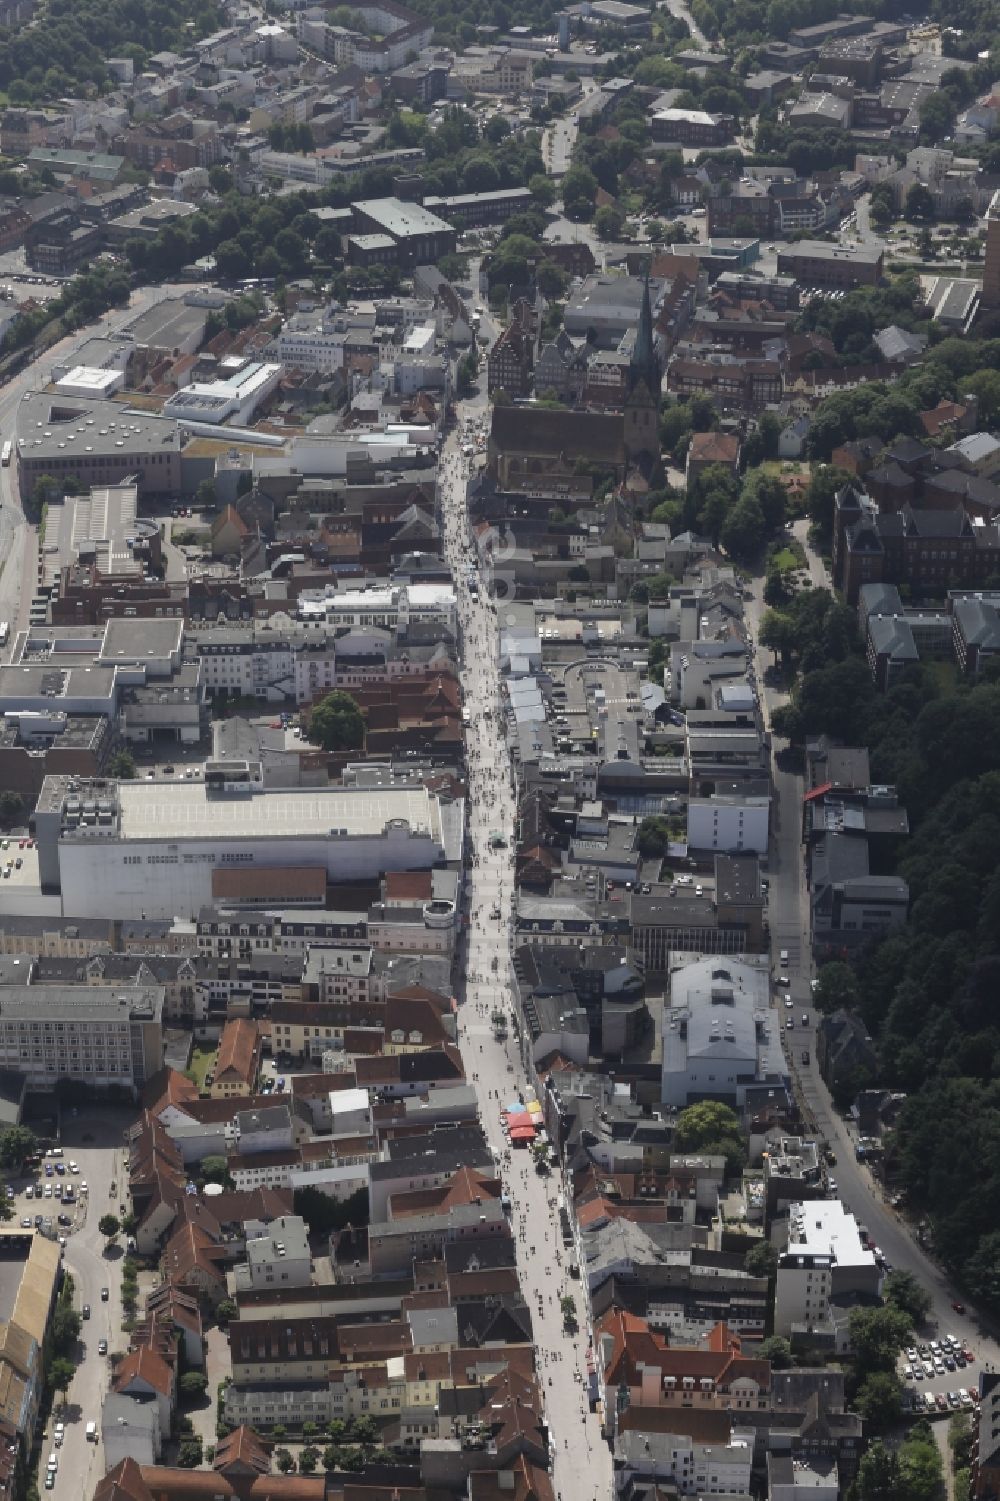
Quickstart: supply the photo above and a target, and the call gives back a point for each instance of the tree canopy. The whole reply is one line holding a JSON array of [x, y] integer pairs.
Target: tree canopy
[[336, 722], [713, 1129]]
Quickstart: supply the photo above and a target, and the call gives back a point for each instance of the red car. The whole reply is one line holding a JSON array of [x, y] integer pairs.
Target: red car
[[958, 1307]]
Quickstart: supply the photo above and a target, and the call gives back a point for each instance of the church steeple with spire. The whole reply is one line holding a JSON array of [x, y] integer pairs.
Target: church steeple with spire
[[642, 396], [645, 364]]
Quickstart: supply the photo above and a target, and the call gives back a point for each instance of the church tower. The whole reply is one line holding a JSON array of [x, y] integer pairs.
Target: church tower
[[645, 362], [642, 397]]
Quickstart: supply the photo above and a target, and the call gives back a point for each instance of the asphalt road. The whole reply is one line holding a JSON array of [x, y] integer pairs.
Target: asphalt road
[[581, 1461], [790, 929], [95, 1142]]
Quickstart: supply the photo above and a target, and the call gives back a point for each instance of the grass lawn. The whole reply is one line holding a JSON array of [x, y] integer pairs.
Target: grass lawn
[[781, 467], [784, 561], [202, 1060]]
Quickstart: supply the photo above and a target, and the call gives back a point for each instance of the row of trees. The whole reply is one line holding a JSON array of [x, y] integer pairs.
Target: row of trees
[[281, 238], [926, 994], [738, 513], [69, 41], [80, 302]]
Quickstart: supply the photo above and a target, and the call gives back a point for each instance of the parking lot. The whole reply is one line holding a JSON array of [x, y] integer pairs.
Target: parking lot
[[52, 1198], [941, 1376]]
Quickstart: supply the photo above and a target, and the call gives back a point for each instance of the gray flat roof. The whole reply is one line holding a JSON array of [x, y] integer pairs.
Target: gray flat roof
[[867, 255], [57, 680], [75, 1002], [142, 638], [45, 431], [401, 219], [181, 810], [168, 323]]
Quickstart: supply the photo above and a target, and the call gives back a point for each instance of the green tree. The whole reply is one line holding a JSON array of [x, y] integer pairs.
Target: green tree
[[60, 1373], [704, 1122], [826, 480], [879, 1400], [11, 808], [205, 496], [836, 988], [937, 117], [214, 1170], [776, 591], [122, 766], [921, 1473], [232, 262], [542, 189], [761, 1260], [579, 191], [608, 222], [337, 723], [66, 1326], [985, 386], [878, 1474], [284, 1461], [551, 279], [883, 204], [326, 245], [876, 1336], [193, 1385], [960, 1441], [322, 1214], [364, 1430], [919, 203], [981, 1272], [775, 1349], [744, 529], [109, 1226], [468, 370], [190, 1453], [902, 1290], [226, 1312], [712, 1129], [17, 1143], [308, 1460], [652, 837], [778, 633]]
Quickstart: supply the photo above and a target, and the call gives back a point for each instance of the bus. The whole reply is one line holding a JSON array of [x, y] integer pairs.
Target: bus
[[5, 454]]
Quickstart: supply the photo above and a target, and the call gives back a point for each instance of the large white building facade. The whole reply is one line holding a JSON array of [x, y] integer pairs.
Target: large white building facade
[[150, 849], [720, 1036]]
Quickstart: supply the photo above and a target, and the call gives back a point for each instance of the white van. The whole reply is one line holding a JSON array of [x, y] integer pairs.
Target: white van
[[91, 1433]]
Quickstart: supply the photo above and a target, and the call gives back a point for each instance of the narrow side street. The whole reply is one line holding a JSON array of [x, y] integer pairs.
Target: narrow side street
[[581, 1460]]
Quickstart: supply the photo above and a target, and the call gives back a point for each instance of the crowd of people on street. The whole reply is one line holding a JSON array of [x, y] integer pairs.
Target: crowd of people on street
[[488, 1029]]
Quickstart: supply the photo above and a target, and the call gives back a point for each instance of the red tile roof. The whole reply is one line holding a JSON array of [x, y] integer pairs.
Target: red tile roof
[[714, 448], [145, 1365], [238, 1051]]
